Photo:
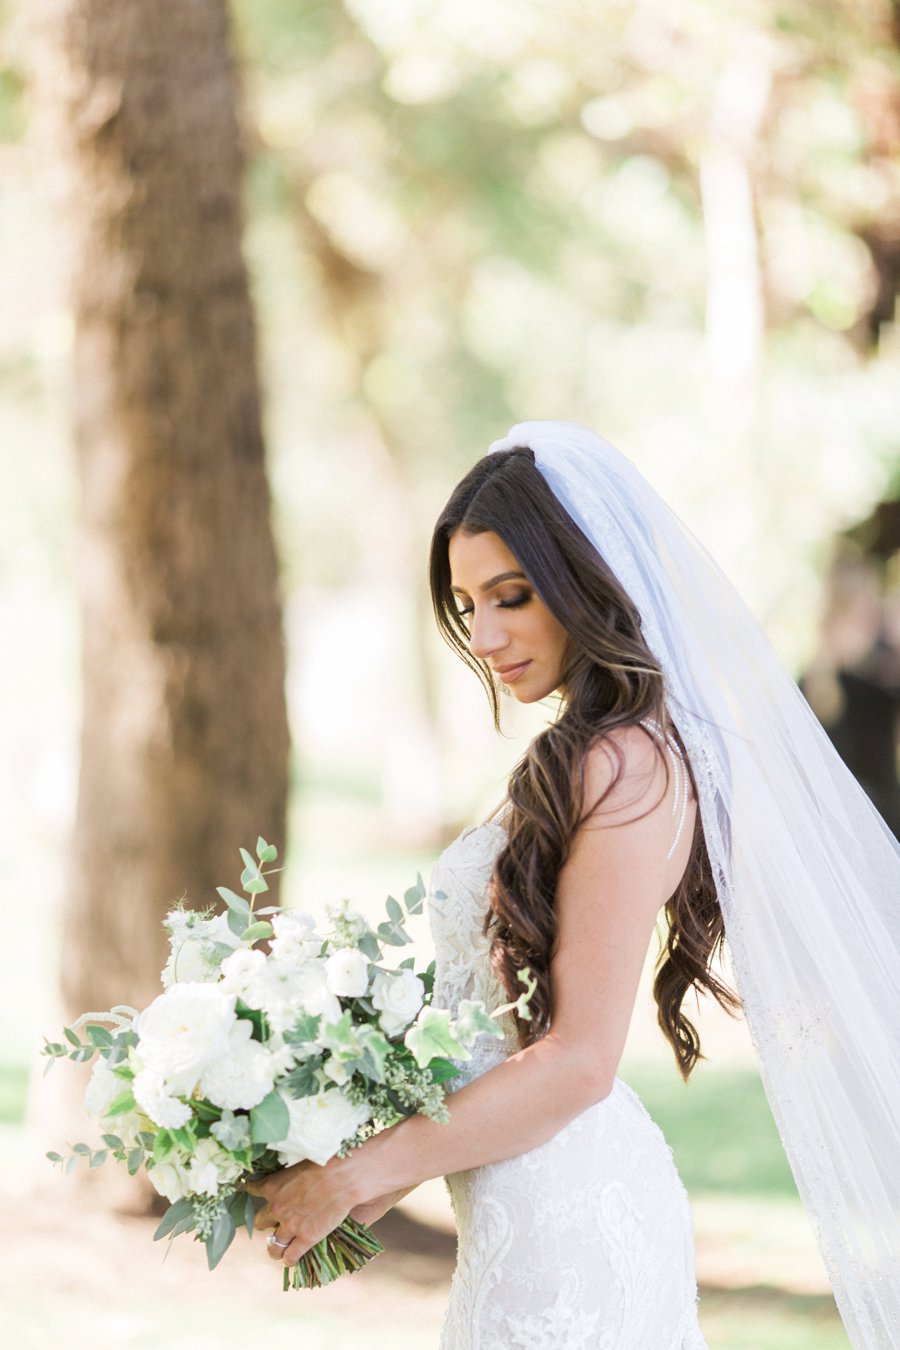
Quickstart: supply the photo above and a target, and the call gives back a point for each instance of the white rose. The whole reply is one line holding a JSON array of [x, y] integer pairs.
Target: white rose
[[182, 1031], [243, 1075], [243, 974], [170, 1179], [210, 1168], [158, 1102], [319, 1125], [347, 972], [398, 997]]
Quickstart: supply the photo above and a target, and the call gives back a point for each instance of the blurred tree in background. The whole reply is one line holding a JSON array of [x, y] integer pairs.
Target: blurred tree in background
[[184, 732]]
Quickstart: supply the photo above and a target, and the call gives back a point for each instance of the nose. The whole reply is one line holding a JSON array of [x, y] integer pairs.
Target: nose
[[487, 633]]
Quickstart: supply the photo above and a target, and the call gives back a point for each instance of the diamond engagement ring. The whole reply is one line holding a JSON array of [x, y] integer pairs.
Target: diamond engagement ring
[[273, 1242]]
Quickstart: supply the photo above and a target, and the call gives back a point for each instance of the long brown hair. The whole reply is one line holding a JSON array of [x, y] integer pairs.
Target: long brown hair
[[610, 679]]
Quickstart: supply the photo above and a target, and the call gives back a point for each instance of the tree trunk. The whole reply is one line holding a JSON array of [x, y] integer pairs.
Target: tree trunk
[[184, 738]]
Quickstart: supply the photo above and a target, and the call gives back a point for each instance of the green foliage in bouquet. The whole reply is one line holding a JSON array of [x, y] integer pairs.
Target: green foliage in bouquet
[[251, 1060]]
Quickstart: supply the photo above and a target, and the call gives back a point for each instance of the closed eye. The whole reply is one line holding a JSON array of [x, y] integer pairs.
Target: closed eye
[[515, 603]]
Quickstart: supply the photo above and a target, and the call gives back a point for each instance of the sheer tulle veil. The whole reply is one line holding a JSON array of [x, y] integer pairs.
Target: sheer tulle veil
[[808, 873]]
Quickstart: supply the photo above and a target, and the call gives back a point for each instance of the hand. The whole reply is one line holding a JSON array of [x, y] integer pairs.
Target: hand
[[305, 1203], [372, 1210]]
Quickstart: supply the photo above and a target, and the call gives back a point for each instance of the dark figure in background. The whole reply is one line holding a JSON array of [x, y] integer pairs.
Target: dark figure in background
[[853, 682]]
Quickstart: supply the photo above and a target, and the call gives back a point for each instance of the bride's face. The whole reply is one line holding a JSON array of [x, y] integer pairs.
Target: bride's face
[[509, 625]]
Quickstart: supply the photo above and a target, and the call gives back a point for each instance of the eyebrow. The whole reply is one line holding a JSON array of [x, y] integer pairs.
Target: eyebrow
[[494, 581]]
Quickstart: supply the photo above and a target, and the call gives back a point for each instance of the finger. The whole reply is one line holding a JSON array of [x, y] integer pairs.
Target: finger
[[276, 1250], [264, 1219], [292, 1253]]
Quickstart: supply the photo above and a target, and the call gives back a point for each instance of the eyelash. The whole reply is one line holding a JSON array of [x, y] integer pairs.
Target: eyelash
[[501, 604]]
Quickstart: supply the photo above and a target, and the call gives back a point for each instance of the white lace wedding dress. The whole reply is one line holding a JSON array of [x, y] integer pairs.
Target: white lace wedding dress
[[585, 1243]]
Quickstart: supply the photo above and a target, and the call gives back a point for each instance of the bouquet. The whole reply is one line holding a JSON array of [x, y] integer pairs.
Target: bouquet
[[253, 1059]]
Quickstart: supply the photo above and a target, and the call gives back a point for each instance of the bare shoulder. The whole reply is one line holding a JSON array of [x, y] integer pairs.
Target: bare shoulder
[[624, 767]]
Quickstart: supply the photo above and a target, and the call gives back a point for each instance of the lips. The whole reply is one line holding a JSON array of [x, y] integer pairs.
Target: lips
[[509, 673]]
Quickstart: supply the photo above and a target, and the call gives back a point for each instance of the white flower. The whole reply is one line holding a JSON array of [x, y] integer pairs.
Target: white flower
[[159, 1103], [292, 990], [243, 974], [243, 1074], [398, 997], [347, 972], [319, 1125], [169, 1179], [102, 1090], [295, 937], [182, 1031], [336, 1070], [348, 922], [210, 1168], [191, 960]]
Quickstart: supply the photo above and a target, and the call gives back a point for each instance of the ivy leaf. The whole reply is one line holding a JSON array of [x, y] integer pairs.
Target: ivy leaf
[[442, 1070], [472, 1021], [431, 1035], [303, 1081], [306, 1028]]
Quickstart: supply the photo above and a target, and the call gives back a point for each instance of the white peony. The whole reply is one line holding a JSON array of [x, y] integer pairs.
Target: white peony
[[170, 1179], [159, 1102], [194, 940], [182, 1031], [347, 972], [319, 1125], [210, 1168], [295, 937], [243, 1074], [244, 974], [398, 998]]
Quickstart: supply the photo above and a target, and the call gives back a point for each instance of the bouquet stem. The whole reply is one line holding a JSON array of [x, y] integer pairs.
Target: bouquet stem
[[344, 1250]]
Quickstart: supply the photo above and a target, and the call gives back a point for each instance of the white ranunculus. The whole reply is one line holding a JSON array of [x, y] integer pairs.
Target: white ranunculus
[[292, 990], [170, 1179], [242, 1075], [347, 972], [243, 974], [319, 1125], [398, 997], [295, 937], [159, 1102], [210, 1168], [182, 1031]]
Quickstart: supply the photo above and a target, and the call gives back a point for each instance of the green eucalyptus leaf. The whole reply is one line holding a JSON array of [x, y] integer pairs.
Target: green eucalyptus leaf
[[394, 910], [414, 898], [256, 932], [270, 1121], [369, 945], [173, 1215], [70, 1164], [83, 1149], [98, 1035], [54, 1157], [112, 1140], [135, 1158], [237, 922], [265, 852], [220, 1239], [233, 901], [99, 1158], [72, 1036]]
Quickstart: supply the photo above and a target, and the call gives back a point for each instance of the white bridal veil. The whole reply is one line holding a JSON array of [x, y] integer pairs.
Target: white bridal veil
[[808, 874]]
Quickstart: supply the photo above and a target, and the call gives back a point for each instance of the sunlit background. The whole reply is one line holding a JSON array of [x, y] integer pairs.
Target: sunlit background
[[676, 223]]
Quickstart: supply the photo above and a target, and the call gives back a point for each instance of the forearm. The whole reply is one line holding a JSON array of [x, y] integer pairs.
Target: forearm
[[512, 1108]]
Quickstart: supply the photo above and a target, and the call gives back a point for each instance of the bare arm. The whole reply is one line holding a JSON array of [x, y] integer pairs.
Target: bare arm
[[608, 898]]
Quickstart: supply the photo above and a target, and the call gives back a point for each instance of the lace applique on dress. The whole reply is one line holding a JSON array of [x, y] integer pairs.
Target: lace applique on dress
[[585, 1243]]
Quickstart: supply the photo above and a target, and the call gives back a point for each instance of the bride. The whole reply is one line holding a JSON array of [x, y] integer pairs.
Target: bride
[[684, 775]]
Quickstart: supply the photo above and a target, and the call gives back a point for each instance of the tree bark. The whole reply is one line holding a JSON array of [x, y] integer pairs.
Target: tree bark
[[184, 736]]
